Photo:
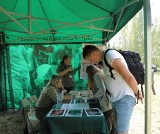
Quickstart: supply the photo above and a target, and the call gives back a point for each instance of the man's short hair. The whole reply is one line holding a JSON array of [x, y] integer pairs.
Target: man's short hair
[[88, 49]]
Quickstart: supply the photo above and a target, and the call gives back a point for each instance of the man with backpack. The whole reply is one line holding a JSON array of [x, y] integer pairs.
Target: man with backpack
[[123, 87]]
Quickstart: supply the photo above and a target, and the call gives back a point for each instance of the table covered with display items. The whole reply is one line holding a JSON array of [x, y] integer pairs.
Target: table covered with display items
[[81, 114]]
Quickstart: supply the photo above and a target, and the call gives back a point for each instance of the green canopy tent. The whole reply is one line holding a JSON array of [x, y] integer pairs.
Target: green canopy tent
[[67, 22], [33, 22], [64, 21]]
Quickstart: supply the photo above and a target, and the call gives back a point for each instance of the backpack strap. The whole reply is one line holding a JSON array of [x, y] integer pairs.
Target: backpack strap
[[142, 90], [109, 94], [109, 66]]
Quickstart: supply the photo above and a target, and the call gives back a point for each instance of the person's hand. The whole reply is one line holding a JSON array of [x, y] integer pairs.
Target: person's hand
[[61, 88], [69, 68], [64, 92], [139, 96]]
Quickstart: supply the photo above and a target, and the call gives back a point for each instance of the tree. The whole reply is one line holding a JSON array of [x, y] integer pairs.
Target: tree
[[131, 37], [156, 43]]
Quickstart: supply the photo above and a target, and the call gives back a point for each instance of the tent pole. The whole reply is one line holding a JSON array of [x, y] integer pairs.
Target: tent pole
[[29, 17], [2, 74], [12, 18], [10, 78], [148, 59]]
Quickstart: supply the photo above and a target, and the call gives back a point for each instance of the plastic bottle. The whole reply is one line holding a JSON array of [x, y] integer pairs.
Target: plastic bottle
[[59, 100]]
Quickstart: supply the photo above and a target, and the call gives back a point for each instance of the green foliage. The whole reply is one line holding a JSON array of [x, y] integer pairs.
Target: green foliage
[[131, 37], [156, 43]]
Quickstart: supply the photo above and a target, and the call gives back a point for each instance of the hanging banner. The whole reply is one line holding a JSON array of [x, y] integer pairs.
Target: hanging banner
[[52, 38], [83, 74]]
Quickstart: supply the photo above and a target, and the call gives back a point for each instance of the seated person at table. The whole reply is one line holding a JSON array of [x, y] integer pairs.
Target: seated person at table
[[96, 81], [48, 96]]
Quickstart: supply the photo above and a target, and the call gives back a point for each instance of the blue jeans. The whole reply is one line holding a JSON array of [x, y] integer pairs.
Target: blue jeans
[[123, 109]]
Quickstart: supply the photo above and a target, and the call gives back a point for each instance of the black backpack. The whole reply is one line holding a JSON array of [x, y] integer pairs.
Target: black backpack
[[135, 66]]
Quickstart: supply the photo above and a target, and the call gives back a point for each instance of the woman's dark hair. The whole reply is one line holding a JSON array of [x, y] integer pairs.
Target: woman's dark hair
[[91, 69], [64, 57]]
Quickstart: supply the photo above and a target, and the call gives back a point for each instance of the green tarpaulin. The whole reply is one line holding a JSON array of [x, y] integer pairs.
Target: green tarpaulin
[[25, 24], [62, 21]]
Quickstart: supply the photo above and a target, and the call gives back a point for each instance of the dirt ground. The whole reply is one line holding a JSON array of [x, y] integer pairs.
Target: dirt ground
[[138, 117], [11, 122]]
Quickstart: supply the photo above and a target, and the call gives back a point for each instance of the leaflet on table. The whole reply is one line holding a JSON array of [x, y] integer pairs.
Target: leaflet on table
[[76, 106], [56, 112], [79, 100], [93, 100], [74, 112], [86, 93], [93, 112], [85, 100]]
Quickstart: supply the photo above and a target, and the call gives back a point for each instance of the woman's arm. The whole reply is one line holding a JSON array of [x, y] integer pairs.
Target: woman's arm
[[62, 73]]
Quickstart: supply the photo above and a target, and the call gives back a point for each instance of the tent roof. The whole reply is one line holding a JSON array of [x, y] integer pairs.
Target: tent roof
[[62, 21]]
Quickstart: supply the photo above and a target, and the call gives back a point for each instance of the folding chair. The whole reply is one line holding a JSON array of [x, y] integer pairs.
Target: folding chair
[[29, 114]]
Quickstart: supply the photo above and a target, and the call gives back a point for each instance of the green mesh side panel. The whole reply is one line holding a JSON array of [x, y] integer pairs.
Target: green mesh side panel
[[32, 66]]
